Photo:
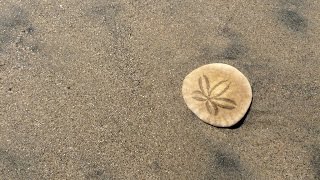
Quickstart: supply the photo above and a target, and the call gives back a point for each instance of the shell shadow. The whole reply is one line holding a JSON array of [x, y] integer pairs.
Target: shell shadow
[[235, 126], [239, 124]]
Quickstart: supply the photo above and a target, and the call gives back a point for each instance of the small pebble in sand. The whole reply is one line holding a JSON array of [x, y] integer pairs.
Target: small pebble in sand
[[218, 94]]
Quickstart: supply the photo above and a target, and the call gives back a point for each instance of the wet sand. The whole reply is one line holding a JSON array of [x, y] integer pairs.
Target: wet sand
[[92, 89]]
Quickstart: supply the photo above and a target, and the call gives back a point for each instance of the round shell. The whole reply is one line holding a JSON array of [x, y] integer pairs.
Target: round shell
[[218, 94]]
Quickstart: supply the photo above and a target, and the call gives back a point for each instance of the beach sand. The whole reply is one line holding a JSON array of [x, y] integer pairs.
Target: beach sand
[[92, 89]]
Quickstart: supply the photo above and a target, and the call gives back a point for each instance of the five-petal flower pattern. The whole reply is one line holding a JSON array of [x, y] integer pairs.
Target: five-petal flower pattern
[[212, 97]]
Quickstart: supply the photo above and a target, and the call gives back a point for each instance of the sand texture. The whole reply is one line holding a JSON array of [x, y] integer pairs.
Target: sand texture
[[92, 89]]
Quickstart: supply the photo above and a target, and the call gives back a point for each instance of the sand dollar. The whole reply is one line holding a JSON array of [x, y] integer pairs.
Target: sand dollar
[[219, 94]]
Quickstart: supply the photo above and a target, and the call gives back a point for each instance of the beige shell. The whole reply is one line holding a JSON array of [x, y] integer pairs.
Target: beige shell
[[218, 94]]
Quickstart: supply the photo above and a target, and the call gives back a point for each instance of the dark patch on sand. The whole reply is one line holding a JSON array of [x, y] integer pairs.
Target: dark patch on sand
[[15, 27], [97, 173], [234, 51], [4, 37], [14, 166], [315, 161], [236, 47], [10, 20], [228, 33], [226, 161], [29, 30], [293, 20], [15, 17], [107, 12], [155, 166], [224, 164]]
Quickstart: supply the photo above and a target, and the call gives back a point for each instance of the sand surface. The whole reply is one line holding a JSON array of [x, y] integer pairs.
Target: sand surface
[[92, 89]]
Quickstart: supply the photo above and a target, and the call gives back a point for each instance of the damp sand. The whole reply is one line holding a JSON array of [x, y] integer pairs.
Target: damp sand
[[92, 89]]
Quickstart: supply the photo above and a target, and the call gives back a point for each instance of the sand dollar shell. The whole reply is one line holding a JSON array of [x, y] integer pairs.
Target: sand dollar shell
[[218, 94]]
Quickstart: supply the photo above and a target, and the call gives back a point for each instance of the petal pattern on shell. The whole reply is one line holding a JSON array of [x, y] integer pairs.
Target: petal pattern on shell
[[208, 107], [225, 106], [213, 103], [223, 91], [207, 83], [199, 98], [226, 100], [215, 107], [215, 86], [200, 85]]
